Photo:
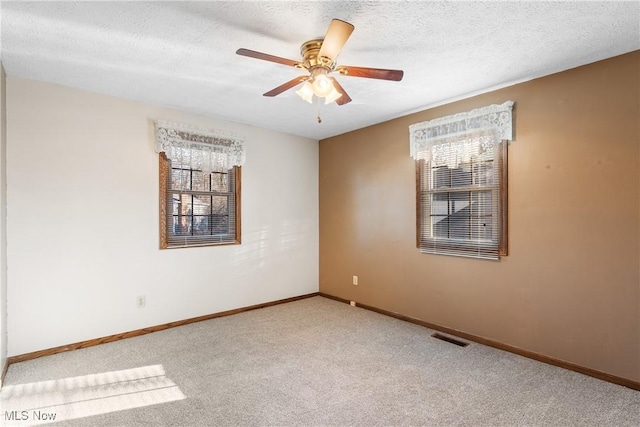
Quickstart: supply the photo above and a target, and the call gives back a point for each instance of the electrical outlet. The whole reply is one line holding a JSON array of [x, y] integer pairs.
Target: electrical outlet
[[141, 301], [355, 280]]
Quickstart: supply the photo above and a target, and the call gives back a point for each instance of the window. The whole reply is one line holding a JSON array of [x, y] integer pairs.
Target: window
[[461, 182], [200, 176], [198, 208], [462, 204]]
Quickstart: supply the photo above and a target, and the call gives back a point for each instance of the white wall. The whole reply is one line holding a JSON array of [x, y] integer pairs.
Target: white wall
[[83, 221], [3, 221]]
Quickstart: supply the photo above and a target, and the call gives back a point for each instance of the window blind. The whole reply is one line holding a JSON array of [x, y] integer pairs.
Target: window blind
[[460, 195], [202, 208]]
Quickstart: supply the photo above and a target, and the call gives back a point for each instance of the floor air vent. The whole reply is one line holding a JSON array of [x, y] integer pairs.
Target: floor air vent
[[449, 339]]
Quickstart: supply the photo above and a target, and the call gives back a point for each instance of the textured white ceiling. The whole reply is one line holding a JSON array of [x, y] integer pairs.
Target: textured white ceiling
[[182, 54]]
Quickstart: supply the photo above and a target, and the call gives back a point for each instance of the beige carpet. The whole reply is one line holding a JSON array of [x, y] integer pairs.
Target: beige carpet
[[321, 362]]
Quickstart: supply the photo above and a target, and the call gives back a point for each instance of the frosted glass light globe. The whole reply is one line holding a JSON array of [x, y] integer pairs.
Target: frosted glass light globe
[[322, 86]]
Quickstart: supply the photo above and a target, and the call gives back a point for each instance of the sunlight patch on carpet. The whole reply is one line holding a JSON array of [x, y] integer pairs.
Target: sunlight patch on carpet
[[77, 397]]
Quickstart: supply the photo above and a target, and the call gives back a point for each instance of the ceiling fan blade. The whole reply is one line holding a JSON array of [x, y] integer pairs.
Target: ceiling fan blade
[[337, 35], [286, 86], [267, 57], [371, 73], [344, 99]]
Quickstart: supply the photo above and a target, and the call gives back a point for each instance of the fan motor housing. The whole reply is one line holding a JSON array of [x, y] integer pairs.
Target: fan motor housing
[[310, 50]]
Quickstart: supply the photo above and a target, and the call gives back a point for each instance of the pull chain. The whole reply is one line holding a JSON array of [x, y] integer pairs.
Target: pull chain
[[319, 105]]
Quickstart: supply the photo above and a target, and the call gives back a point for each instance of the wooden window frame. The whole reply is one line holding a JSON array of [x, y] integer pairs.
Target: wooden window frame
[[166, 214], [503, 233]]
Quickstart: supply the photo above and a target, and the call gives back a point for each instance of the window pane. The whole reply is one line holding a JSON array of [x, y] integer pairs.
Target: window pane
[[440, 204], [459, 215], [461, 176], [220, 224], [181, 225], [441, 177], [186, 205], [220, 205], [201, 225], [440, 226], [199, 181], [483, 173], [175, 210], [459, 203], [180, 179], [481, 203], [481, 228], [181, 204], [220, 182], [459, 227], [201, 205]]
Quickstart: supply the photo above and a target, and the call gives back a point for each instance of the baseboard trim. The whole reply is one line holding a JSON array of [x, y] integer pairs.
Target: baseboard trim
[[635, 385], [111, 338]]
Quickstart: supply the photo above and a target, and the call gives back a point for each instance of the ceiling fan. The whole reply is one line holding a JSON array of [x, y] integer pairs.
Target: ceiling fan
[[319, 60]]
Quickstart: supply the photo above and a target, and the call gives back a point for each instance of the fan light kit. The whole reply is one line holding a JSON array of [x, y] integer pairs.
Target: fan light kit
[[319, 60]]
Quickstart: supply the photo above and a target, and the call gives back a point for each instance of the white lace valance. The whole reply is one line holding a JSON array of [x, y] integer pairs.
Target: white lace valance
[[197, 148], [456, 149], [495, 118]]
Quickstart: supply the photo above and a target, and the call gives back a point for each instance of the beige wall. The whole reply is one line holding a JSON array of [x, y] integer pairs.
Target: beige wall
[[569, 288]]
